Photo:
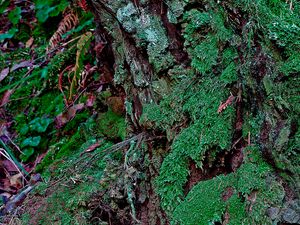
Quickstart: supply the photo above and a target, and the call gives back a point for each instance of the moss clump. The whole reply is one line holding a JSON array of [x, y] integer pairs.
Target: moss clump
[[68, 203], [111, 125], [207, 130], [244, 196]]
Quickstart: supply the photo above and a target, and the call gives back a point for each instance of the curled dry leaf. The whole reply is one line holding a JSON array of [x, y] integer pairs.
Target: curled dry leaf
[[16, 181], [91, 100], [92, 147], [9, 166]]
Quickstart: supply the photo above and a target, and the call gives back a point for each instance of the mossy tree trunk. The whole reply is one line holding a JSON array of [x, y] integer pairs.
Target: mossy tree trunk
[[214, 83]]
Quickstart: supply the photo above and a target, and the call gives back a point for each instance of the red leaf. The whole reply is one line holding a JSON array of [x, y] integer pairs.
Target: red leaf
[[6, 97], [223, 106]]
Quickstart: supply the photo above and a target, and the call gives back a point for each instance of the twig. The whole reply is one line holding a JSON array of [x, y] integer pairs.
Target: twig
[[12, 157], [16, 146]]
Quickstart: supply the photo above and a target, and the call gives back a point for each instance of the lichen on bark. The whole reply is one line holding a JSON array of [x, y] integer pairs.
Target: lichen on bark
[[219, 81]]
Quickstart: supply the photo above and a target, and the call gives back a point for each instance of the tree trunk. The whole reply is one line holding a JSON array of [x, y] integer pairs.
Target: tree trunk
[[212, 86]]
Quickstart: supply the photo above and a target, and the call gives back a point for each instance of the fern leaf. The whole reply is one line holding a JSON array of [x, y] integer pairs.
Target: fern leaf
[[69, 21]]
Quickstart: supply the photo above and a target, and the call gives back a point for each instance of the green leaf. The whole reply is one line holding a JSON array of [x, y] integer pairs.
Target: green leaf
[[15, 15], [24, 130], [44, 73], [40, 124], [3, 6], [43, 13], [45, 9], [9, 34], [26, 154], [31, 141]]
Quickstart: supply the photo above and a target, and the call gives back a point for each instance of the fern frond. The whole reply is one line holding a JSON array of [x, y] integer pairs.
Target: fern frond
[[69, 21]]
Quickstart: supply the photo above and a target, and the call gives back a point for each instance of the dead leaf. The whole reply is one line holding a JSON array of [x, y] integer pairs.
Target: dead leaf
[[9, 166], [6, 97], [91, 100], [61, 120], [29, 42], [65, 117], [224, 105], [92, 147], [16, 180], [23, 64], [74, 109], [4, 73]]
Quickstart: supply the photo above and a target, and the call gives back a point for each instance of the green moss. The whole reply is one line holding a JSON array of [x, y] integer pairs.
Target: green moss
[[111, 125], [68, 203], [229, 75], [209, 200], [72, 145], [291, 65], [205, 55], [207, 130]]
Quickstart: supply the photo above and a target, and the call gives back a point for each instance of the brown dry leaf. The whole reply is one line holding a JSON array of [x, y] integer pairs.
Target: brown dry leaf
[[224, 105], [74, 109], [4, 73], [65, 117], [16, 180], [93, 147], [6, 97], [91, 100], [9, 166], [29, 42], [61, 120], [23, 64]]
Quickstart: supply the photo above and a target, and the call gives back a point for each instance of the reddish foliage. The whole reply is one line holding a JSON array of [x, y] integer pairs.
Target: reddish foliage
[[83, 5], [223, 106]]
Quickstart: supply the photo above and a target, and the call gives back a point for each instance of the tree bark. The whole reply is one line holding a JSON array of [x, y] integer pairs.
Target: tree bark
[[149, 45]]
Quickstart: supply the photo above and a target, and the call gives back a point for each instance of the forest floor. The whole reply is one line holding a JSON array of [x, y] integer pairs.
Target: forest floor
[[62, 126]]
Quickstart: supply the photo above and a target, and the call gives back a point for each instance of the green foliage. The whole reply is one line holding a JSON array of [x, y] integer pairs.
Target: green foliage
[[31, 141], [9, 34], [206, 55], [15, 15], [49, 8], [26, 154], [3, 6], [39, 124]]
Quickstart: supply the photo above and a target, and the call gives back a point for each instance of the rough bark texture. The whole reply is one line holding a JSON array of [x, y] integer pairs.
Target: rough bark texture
[[215, 84]]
